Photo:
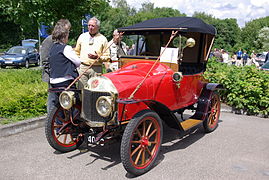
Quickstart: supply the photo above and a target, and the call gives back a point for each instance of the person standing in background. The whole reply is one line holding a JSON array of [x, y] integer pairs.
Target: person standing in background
[[225, 56], [117, 48], [245, 58], [44, 54], [89, 47]]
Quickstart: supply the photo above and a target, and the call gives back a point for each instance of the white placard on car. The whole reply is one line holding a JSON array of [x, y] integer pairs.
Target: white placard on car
[[170, 55]]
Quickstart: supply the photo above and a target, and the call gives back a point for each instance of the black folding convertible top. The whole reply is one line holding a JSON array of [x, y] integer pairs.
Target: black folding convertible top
[[183, 24]]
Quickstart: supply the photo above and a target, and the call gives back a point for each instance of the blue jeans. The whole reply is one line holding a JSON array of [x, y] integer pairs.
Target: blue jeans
[[52, 100]]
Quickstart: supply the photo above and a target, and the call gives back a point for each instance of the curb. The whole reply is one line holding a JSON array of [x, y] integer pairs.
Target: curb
[[18, 127], [26, 125]]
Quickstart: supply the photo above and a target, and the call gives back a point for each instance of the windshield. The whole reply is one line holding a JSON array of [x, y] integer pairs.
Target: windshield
[[17, 50], [147, 45]]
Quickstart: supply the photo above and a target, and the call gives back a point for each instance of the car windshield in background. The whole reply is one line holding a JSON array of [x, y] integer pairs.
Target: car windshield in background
[[17, 50]]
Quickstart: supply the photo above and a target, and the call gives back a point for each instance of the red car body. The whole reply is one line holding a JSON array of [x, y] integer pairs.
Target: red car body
[[147, 90], [158, 87]]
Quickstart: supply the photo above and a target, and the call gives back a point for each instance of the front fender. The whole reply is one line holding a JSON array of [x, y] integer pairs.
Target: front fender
[[163, 111], [214, 86]]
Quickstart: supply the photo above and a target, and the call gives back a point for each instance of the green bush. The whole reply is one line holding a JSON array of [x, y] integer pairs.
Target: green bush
[[247, 88], [23, 94]]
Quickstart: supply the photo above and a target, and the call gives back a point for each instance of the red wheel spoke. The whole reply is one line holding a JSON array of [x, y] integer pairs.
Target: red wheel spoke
[[65, 137], [76, 115], [143, 156], [147, 149], [153, 142], [138, 156], [136, 149], [152, 133], [135, 142], [153, 149], [58, 136], [149, 127], [57, 126], [60, 118], [138, 133], [144, 129]]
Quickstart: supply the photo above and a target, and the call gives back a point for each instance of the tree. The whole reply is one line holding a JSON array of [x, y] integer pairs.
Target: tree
[[29, 14], [115, 17], [228, 31], [147, 11], [263, 39], [250, 33]]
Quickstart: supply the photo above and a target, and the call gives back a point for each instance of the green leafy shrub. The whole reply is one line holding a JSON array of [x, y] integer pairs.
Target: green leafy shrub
[[246, 87], [23, 94]]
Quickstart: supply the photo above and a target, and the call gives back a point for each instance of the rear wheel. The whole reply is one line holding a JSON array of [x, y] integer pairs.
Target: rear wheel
[[213, 113], [141, 142], [61, 133]]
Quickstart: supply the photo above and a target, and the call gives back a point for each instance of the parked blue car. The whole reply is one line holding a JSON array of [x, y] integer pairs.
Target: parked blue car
[[20, 56]]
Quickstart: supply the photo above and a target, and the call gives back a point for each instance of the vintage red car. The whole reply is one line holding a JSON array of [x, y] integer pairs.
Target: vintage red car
[[161, 79]]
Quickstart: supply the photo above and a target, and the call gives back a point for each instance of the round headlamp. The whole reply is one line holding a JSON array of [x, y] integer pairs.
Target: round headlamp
[[67, 99], [104, 106], [177, 76]]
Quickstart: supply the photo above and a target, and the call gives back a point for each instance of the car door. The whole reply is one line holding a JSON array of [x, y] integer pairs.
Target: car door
[[31, 55]]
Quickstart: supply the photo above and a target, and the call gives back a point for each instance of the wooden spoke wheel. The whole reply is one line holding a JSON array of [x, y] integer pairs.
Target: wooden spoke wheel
[[141, 142], [61, 130], [211, 123]]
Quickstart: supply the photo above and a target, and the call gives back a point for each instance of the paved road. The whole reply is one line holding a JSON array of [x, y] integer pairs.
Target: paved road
[[238, 149]]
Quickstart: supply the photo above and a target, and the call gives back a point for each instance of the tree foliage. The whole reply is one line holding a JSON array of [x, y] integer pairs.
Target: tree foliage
[[263, 39], [20, 19], [250, 33], [228, 31], [28, 14]]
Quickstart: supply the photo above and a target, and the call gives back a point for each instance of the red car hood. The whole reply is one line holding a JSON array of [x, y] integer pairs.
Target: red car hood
[[128, 78]]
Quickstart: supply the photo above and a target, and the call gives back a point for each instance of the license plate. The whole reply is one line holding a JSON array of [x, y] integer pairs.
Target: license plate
[[8, 62], [90, 139]]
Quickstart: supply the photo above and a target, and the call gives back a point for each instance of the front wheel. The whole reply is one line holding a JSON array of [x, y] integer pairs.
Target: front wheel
[[27, 64], [37, 61], [213, 113], [141, 142], [60, 130]]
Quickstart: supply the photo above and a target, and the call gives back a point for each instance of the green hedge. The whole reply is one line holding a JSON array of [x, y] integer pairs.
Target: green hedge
[[23, 94], [247, 88]]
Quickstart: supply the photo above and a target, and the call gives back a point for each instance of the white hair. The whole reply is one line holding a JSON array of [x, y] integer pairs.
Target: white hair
[[96, 20], [115, 32]]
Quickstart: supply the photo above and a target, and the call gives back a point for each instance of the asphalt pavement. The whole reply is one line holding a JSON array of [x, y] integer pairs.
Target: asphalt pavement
[[237, 149]]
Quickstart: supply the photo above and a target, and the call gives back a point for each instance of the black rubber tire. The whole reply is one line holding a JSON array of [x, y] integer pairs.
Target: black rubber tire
[[50, 131], [27, 65], [38, 62], [132, 141], [213, 113]]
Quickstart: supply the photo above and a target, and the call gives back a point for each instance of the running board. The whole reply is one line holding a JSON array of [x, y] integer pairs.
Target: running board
[[189, 123]]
